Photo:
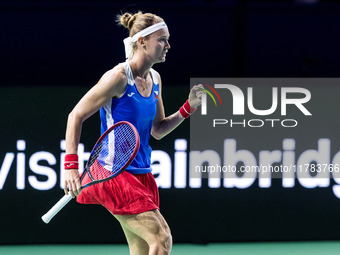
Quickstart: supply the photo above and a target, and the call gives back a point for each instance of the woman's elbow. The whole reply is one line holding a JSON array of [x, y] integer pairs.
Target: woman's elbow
[[75, 117], [156, 135]]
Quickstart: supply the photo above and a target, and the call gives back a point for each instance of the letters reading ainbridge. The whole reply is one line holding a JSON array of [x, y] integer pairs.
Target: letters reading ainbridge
[[238, 108]]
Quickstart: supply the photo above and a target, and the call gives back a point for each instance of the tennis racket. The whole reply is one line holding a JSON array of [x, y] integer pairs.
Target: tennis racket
[[110, 156]]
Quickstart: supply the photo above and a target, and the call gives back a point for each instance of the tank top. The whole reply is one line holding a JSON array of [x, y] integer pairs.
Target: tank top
[[140, 111]]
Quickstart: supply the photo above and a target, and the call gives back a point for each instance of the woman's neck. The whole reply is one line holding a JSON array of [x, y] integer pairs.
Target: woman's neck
[[141, 66]]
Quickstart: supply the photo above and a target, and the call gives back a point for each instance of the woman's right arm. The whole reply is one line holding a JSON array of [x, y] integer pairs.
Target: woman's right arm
[[112, 84]]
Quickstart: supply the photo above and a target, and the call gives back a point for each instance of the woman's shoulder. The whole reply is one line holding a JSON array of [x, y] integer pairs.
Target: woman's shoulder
[[116, 75], [114, 80]]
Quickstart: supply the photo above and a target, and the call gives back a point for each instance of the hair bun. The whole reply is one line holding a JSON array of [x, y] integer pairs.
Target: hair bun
[[127, 19]]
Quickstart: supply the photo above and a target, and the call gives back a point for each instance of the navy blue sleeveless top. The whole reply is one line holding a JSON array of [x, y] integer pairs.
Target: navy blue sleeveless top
[[139, 111]]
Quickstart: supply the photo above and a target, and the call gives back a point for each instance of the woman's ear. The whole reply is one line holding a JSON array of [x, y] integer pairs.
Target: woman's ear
[[141, 42]]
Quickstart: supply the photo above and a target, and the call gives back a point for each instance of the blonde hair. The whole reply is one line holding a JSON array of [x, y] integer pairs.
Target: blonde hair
[[137, 22]]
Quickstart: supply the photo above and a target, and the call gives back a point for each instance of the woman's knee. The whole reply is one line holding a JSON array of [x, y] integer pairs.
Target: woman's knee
[[162, 241], [168, 242], [151, 227], [167, 237]]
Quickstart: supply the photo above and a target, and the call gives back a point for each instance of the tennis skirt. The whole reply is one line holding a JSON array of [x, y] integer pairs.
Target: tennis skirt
[[125, 194]]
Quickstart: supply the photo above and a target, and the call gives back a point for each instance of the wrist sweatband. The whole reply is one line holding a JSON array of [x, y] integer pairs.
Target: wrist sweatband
[[186, 110], [71, 161]]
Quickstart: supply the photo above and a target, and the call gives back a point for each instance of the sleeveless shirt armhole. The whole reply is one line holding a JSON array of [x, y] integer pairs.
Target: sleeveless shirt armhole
[[154, 76], [128, 73]]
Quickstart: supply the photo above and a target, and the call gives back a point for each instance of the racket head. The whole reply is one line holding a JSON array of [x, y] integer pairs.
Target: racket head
[[113, 152]]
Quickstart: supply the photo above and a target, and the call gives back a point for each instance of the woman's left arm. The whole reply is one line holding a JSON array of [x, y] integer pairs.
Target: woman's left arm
[[164, 125]]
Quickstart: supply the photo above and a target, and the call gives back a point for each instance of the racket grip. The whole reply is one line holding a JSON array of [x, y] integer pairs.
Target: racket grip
[[56, 208]]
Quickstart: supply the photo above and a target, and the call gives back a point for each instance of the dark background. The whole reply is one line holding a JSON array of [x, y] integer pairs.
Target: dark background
[[52, 52]]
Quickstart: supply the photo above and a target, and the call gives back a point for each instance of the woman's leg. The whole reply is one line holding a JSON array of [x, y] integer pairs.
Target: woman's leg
[[149, 226], [137, 245]]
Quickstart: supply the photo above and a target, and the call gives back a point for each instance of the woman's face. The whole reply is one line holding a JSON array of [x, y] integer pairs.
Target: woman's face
[[157, 45]]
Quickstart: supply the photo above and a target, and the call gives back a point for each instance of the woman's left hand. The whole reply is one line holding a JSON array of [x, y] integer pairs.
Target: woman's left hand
[[195, 96]]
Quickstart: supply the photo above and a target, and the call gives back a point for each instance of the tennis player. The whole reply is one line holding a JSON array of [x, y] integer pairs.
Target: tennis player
[[131, 91]]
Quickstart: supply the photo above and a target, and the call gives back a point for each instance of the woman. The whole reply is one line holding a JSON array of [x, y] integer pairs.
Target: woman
[[131, 91]]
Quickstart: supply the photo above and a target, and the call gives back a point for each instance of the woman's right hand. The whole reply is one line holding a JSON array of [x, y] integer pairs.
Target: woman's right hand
[[72, 182]]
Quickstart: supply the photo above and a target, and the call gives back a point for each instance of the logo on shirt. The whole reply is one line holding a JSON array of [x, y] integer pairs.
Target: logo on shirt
[[131, 94], [156, 92]]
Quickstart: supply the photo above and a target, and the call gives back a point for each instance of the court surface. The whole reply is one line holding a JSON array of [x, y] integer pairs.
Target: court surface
[[291, 248]]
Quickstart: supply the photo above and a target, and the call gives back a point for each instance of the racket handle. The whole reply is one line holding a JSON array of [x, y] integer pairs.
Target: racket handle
[[56, 208]]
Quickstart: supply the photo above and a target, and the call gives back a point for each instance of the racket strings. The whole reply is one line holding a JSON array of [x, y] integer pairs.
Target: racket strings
[[113, 152]]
